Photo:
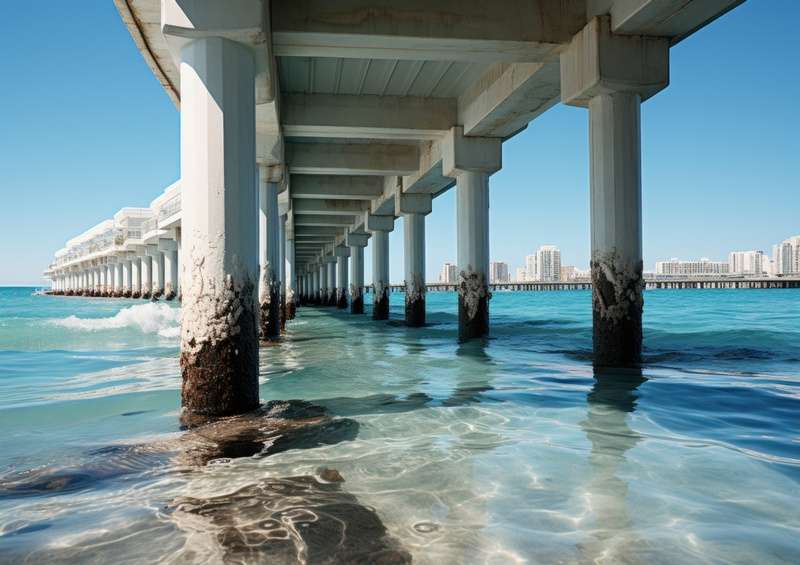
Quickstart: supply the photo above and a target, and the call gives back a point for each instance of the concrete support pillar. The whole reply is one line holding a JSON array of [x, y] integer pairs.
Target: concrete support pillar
[[342, 284], [158, 272], [127, 283], [282, 267], [170, 274], [147, 280], [612, 75], [414, 260], [291, 277], [136, 277], [219, 333], [269, 241], [331, 276], [472, 225], [380, 275], [117, 279], [616, 228], [356, 279], [110, 279], [323, 284]]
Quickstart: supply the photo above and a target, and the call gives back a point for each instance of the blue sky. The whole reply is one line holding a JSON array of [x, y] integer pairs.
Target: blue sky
[[86, 130]]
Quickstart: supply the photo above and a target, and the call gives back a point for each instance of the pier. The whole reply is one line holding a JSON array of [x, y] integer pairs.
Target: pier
[[308, 127]]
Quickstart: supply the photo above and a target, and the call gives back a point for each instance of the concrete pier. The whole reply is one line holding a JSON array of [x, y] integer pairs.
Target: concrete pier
[[146, 274], [414, 260], [269, 240], [330, 267], [127, 281], [342, 285], [357, 243], [219, 334], [136, 277], [291, 275], [322, 289], [632, 69]]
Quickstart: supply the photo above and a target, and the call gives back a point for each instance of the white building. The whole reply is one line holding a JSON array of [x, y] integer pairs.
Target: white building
[[548, 263], [786, 256], [522, 275], [449, 274], [746, 263], [531, 267], [701, 267], [498, 272]]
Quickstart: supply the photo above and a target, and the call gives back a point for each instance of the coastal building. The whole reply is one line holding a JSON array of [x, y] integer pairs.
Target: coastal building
[[521, 275], [307, 133], [531, 267], [700, 267], [548, 264], [498, 272], [786, 256], [746, 263], [449, 274]]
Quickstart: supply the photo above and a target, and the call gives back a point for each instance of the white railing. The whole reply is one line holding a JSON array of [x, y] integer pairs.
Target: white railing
[[170, 207]]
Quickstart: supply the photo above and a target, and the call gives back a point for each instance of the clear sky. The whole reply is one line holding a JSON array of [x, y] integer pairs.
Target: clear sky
[[87, 129]]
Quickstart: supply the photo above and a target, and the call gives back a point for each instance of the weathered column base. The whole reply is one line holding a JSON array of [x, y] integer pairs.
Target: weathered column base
[[157, 293], [380, 305], [415, 310], [331, 301], [270, 317], [617, 305], [218, 376], [283, 311], [146, 293], [291, 307], [357, 303], [136, 294], [169, 292], [473, 306], [126, 293], [341, 299]]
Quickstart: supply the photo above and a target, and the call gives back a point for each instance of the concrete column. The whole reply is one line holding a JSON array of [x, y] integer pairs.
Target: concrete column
[[611, 75], [269, 240], [147, 281], [414, 260], [291, 278], [356, 279], [170, 274], [110, 279], [282, 268], [127, 283], [117, 279], [158, 272], [322, 288], [219, 333], [380, 275], [136, 277], [616, 228], [472, 219], [101, 283], [341, 276], [331, 267]]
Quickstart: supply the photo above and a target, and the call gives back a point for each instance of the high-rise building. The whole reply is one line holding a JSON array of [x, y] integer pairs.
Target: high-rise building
[[786, 256], [746, 263], [522, 275], [531, 268], [449, 274], [548, 263], [702, 267], [569, 272], [498, 272]]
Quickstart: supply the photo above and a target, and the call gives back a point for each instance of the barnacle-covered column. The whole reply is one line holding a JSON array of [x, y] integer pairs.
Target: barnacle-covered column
[[379, 227], [612, 75], [169, 247], [109, 290], [357, 242], [136, 277], [157, 275], [269, 239], [219, 224], [291, 275], [470, 161], [322, 286], [341, 253], [127, 281], [282, 267], [413, 208]]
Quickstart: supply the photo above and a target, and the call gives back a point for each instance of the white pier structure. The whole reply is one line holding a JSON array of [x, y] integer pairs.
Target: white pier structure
[[329, 119]]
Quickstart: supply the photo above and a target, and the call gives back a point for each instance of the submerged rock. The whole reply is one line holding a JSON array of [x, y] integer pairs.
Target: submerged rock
[[292, 520]]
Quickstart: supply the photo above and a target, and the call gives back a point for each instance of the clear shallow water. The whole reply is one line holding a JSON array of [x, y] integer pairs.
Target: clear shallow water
[[507, 451]]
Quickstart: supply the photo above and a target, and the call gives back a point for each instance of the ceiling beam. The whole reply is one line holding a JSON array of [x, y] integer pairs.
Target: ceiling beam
[[336, 187], [351, 158], [326, 207]]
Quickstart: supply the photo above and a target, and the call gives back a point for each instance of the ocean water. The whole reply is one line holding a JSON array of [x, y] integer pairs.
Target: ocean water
[[401, 444]]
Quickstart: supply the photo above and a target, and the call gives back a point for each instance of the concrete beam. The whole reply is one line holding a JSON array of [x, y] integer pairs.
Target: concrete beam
[[412, 204], [600, 62], [314, 220], [352, 158], [330, 207], [449, 30], [367, 116], [304, 231], [341, 251], [336, 187], [507, 97], [382, 223], [474, 154], [356, 239]]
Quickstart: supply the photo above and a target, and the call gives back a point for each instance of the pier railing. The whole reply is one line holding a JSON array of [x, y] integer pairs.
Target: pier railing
[[170, 208]]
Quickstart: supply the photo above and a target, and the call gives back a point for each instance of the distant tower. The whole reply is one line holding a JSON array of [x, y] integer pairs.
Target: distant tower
[[449, 274], [548, 260]]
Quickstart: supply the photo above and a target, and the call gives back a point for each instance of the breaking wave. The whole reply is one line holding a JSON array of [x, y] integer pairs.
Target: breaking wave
[[148, 318]]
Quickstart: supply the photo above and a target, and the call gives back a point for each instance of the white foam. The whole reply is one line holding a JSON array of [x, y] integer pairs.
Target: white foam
[[151, 317]]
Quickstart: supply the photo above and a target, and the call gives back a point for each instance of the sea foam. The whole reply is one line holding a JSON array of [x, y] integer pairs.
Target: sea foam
[[148, 318]]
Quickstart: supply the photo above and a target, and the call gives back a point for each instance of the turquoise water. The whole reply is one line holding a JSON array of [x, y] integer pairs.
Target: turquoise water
[[506, 451]]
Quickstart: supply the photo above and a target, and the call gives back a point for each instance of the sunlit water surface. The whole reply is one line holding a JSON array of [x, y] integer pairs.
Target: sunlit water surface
[[506, 451]]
